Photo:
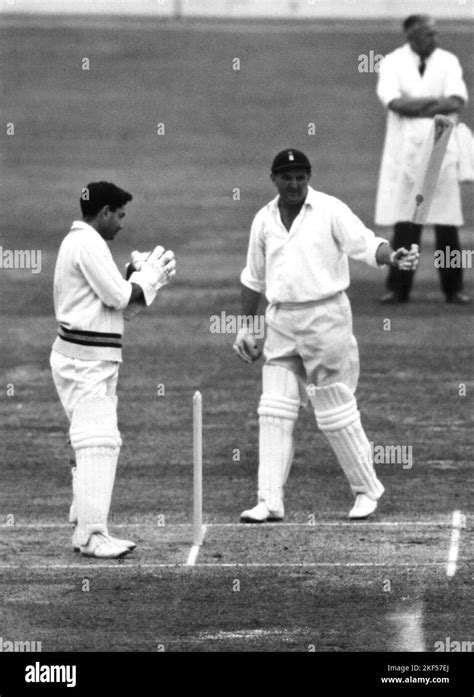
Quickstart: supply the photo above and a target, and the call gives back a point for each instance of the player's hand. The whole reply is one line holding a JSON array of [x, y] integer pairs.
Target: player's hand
[[137, 259], [162, 265], [406, 260], [245, 346], [135, 263], [155, 272]]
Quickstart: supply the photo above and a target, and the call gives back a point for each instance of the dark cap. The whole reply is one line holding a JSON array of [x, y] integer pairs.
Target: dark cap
[[290, 158]]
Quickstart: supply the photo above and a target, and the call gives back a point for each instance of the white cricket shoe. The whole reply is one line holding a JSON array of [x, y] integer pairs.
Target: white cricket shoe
[[364, 507], [124, 543], [117, 540], [262, 514], [101, 546]]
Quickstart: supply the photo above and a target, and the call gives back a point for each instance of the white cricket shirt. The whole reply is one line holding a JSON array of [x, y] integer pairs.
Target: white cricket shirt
[[89, 296], [310, 262]]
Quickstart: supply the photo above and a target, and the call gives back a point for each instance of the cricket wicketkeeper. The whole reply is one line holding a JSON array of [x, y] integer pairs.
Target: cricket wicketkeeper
[[91, 299], [298, 257]]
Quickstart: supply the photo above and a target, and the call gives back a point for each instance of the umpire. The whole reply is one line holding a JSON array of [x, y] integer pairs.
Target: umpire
[[416, 82]]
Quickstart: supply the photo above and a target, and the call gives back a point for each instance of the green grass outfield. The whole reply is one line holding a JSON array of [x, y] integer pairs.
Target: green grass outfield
[[315, 581]]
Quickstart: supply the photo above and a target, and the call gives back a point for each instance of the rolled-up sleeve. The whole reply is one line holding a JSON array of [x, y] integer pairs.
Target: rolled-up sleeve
[[101, 273], [388, 85], [454, 85], [253, 275], [356, 240]]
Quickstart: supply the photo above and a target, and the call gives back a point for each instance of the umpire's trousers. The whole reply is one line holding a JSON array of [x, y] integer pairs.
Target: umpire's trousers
[[404, 235]]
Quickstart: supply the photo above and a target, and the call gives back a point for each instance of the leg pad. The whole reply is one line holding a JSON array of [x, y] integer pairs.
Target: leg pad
[[278, 412], [94, 424], [337, 416], [96, 440]]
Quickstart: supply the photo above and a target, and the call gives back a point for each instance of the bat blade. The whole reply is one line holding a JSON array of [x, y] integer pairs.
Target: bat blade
[[430, 167]]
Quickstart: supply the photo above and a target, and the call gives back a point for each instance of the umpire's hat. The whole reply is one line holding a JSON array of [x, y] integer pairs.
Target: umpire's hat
[[290, 158]]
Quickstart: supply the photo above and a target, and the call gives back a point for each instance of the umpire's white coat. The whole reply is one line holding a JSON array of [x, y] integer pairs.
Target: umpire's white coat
[[405, 137]]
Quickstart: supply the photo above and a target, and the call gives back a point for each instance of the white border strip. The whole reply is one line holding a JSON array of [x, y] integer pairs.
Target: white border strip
[[457, 524]]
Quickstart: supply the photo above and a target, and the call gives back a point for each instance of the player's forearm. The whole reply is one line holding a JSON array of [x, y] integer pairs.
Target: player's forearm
[[384, 254], [245, 344], [250, 301], [412, 107], [446, 105]]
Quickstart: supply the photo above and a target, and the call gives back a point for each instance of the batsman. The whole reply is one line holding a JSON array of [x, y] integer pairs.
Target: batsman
[[297, 256]]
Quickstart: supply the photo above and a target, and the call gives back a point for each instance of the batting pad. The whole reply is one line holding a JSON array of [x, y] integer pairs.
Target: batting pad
[[337, 416], [94, 423], [278, 412], [96, 440], [73, 508]]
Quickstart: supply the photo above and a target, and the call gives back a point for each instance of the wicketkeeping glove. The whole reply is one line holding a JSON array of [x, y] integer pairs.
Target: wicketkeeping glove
[[245, 346], [135, 263], [155, 272]]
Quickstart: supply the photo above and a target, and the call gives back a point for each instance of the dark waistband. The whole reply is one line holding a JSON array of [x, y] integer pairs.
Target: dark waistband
[[86, 338]]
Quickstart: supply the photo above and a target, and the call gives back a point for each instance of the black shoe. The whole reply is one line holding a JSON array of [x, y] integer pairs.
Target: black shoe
[[391, 298], [458, 298]]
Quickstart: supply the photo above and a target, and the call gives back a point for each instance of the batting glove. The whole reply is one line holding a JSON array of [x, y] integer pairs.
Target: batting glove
[[406, 260]]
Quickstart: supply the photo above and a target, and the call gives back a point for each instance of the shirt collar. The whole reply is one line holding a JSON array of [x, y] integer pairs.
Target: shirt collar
[[417, 58], [82, 225], [311, 197], [310, 200]]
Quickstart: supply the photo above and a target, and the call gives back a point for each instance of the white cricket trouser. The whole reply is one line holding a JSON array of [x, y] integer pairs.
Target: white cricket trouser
[[87, 392], [314, 341], [76, 379]]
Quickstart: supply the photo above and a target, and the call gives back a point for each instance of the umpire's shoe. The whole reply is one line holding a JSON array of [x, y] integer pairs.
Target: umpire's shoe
[[262, 514], [458, 298], [101, 546], [364, 507], [392, 298]]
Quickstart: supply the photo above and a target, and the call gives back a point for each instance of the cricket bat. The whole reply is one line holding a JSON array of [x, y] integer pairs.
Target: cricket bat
[[432, 159]]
